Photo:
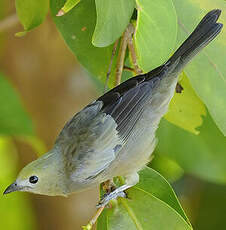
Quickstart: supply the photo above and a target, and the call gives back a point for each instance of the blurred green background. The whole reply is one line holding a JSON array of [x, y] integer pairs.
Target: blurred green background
[[41, 87]]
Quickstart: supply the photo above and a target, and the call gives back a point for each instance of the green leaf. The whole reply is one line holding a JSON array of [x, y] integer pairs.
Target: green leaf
[[202, 155], [16, 211], [31, 13], [186, 109], [77, 27], [69, 4], [206, 72], [13, 118], [167, 167], [156, 32], [112, 19], [151, 204]]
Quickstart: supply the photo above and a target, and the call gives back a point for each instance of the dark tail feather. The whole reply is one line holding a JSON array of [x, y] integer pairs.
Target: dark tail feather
[[203, 34]]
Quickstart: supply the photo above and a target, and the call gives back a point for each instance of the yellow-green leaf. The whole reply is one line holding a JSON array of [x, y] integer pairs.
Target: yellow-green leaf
[[31, 13], [67, 7], [166, 167], [186, 109]]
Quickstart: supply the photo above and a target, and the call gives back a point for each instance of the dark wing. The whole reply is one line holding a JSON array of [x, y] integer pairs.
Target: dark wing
[[126, 101], [93, 137]]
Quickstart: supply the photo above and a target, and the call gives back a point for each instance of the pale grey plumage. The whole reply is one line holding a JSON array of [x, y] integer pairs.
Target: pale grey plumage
[[115, 135]]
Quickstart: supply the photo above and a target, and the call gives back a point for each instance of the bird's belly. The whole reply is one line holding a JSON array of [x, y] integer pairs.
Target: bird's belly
[[135, 158], [136, 153]]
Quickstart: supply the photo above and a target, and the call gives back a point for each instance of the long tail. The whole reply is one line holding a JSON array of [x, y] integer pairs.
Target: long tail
[[203, 34]]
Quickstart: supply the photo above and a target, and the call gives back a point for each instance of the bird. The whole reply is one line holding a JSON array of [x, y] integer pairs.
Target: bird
[[114, 135]]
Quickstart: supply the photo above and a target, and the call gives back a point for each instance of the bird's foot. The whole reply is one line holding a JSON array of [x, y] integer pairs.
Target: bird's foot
[[110, 196], [109, 186], [130, 181]]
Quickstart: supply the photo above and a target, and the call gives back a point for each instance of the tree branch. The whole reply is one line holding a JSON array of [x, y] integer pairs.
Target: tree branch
[[110, 65], [122, 52]]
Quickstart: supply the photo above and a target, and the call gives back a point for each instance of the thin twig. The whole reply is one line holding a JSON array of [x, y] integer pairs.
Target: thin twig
[[8, 22], [129, 69], [122, 52], [97, 214], [94, 219], [133, 52], [89, 226], [110, 65]]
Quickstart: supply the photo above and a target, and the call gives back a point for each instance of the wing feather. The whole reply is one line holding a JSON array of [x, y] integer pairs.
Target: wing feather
[[91, 140]]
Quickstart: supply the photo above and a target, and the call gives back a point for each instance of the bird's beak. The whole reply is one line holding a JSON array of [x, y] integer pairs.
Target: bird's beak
[[12, 188]]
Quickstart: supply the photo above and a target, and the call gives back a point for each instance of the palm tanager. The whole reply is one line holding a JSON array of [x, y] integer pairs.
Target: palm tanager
[[115, 134]]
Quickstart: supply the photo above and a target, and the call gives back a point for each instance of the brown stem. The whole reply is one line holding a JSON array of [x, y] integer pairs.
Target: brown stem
[[133, 52], [129, 69], [96, 215], [110, 65], [107, 186], [122, 52], [94, 219]]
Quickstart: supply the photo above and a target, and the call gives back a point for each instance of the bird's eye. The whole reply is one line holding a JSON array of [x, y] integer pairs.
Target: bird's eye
[[33, 179]]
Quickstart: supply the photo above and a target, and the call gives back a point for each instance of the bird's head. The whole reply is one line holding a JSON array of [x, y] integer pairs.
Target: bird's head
[[42, 176]]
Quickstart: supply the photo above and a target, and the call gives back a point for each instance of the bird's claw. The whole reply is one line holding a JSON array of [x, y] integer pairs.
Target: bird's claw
[[110, 196]]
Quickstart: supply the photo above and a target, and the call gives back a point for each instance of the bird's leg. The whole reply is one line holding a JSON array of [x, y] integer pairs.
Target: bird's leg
[[130, 181], [109, 186]]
